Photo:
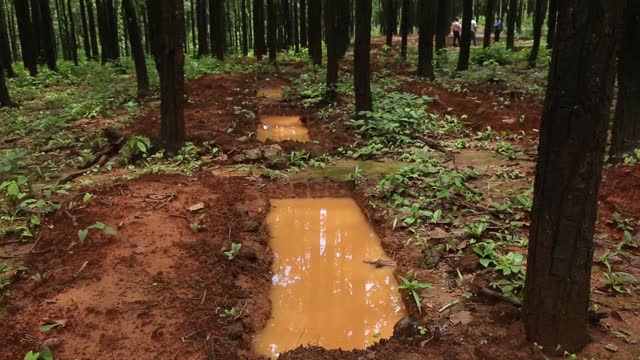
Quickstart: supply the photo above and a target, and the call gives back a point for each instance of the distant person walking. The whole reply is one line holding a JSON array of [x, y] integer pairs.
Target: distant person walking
[[497, 28], [474, 27], [456, 27]]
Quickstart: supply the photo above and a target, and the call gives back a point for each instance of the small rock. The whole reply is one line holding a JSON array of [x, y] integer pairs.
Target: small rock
[[52, 343], [239, 158], [407, 327], [509, 121], [139, 250], [272, 151], [222, 158], [253, 154], [242, 139], [432, 255], [461, 317], [196, 207], [469, 262], [611, 347]]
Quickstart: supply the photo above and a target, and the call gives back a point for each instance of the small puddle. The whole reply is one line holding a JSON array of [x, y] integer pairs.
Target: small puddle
[[325, 292], [281, 128], [270, 92]]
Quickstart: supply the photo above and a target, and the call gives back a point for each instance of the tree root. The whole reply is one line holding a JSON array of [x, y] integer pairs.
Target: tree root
[[116, 141]]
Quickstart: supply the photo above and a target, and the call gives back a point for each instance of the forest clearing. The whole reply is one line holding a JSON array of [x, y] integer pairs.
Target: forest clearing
[[319, 179]]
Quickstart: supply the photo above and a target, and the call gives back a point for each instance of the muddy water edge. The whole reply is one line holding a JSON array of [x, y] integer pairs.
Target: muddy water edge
[[327, 288]]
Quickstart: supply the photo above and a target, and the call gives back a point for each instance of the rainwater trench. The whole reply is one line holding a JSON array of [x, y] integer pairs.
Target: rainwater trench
[[325, 289]]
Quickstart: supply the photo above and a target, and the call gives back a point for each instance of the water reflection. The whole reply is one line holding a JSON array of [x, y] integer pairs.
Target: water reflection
[[280, 128], [323, 292]]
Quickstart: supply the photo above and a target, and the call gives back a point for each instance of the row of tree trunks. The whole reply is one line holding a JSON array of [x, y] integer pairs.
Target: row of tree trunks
[[108, 30]]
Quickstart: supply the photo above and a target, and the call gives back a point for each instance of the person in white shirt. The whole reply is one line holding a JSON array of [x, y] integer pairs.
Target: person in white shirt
[[474, 27]]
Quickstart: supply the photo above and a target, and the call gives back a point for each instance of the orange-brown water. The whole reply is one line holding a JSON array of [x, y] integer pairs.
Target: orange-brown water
[[280, 128], [324, 291], [270, 92]]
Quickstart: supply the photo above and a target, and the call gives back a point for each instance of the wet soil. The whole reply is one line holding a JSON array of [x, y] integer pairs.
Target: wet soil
[[162, 288]]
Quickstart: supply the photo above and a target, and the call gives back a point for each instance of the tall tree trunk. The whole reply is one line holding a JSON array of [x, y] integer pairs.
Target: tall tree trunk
[[271, 31], [27, 37], [315, 30], [573, 136], [137, 49], [538, 21], [5, 99], [108, 30], [489, 20], [36, 23], [245, 30], [551, 22], [303, 23], [166, 25], [361, 57], [625, 135], [404, 28], [5, 46], [465, 41], [428, 11], [93, 34], [520, 16], [72, 35], [442, 24], [85, 30], [201, 20], [218, 32], [258, 28], [511, 23], [342, 31], [331, 39], [390, 19]]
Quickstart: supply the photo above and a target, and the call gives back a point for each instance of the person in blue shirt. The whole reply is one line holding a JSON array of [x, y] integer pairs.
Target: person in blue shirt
[[497, 28]]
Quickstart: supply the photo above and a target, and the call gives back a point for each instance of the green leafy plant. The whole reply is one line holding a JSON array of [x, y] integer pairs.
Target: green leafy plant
[[619, 281], [137, 147], [414, 287], [233, 252], [44, 354], [9, 162], [512, 263], [107, 230], [486, 251], [229, 313]]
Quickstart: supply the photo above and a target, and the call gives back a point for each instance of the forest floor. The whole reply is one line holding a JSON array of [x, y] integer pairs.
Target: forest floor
[[128, 261]]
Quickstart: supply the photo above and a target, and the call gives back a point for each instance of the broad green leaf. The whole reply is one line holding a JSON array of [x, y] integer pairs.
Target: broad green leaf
[[47, 328]]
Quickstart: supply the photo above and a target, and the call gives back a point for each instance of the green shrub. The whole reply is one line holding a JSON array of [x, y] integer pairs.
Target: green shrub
[[495, 53]]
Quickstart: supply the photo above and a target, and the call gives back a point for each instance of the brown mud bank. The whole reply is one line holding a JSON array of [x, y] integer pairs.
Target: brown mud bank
[[163, 287]]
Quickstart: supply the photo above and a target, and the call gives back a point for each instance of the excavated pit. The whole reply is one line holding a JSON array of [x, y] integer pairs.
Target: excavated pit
[[333, 286]]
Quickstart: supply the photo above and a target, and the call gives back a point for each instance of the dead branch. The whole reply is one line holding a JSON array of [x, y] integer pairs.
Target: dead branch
[[116, 141], [488, 293]]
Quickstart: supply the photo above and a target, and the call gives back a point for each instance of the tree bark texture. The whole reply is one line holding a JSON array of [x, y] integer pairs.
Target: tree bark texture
[[573, 136], [361, 57]]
